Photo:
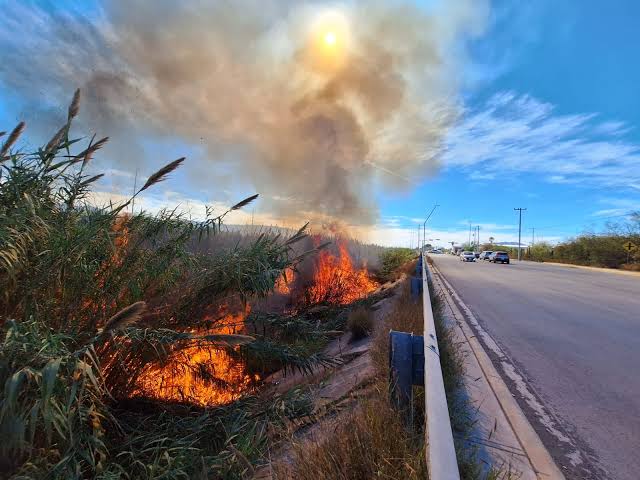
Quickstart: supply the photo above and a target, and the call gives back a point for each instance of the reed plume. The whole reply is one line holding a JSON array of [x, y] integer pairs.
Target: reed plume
[[244, 202], [74, 108], [55, 140], [13, 136], [161, 174], [87, 154], [124, 318]]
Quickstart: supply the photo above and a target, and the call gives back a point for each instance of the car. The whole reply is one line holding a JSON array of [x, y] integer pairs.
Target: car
[[467, 256], [477, 254], [485, 255], [501, 257]]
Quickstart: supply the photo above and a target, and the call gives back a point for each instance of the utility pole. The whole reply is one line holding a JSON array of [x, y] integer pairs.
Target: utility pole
[[478, 238], [533, 236], [418, 236], [469, 234], [520, 209], [424, 225]]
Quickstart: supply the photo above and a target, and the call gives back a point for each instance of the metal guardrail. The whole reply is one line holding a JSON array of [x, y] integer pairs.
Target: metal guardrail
[[441, 453], [415, 360]]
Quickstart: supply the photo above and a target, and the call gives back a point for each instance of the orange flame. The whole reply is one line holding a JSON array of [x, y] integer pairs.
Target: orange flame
[[283, 283], [185, 377], [337, 281]]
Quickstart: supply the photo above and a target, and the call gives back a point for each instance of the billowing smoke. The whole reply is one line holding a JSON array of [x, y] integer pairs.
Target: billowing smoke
[[316, 105]]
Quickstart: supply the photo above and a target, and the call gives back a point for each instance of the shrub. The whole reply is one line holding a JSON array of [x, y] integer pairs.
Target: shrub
[[360, 323], [392, 261]]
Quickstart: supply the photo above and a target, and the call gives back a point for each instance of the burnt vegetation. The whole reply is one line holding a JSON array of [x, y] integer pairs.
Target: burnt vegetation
[[116, 329]]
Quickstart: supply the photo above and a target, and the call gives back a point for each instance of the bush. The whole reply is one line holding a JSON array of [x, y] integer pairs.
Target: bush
[[360, 323], [392, 261]]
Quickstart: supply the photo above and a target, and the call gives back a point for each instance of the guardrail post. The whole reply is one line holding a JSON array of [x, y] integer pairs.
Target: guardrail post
[[406, 369], [416, 287]]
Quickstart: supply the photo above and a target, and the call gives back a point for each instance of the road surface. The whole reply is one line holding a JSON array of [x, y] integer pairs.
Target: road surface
[[574, 335]]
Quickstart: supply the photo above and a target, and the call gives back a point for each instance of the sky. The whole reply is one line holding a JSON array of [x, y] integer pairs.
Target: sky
[[547, 117]]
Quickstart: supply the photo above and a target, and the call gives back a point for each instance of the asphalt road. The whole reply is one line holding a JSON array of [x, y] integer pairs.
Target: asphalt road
[[574, 335]]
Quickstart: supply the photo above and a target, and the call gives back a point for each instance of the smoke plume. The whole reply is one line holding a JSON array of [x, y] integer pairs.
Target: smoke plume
[[318, 105]]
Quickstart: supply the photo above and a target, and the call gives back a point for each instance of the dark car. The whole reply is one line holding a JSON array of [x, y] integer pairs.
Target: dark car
[[499, 257], [485, 255]]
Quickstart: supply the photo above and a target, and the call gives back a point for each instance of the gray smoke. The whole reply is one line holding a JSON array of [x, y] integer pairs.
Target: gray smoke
[[315, 127]]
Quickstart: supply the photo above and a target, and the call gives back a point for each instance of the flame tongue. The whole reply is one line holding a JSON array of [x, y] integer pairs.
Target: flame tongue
[[200, 374], [208, 376], [336, 280]]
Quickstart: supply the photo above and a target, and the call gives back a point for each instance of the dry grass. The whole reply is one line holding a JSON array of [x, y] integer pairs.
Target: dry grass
[[370, 442], [406, 316], [373, 441], [360, 323]]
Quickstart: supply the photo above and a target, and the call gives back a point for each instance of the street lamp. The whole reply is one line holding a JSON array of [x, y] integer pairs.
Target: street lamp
[[424, 226]]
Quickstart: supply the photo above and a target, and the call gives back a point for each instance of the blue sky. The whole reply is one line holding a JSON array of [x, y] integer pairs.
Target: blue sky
[[549, 117], [553, 110]]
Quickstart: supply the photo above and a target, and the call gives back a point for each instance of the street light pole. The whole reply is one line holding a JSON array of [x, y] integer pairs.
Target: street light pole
[[424, 225], [519, 231]]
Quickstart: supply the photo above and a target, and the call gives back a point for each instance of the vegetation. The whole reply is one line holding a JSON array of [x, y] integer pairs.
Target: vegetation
[[374, 440], [371, 441], [360, 323], [598, 250], [93, 299], [392, 260]]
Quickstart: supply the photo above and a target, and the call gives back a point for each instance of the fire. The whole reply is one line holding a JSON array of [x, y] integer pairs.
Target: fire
[[186, 376], [337, 281], [283, 284]]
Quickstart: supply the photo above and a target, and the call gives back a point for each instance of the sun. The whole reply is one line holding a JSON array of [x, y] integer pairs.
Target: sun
[[330, 39]]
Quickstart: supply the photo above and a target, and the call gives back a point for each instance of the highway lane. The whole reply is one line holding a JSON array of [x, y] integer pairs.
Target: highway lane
[[574, 335]]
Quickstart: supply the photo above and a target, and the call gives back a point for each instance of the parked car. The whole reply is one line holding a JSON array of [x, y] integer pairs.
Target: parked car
[[467, 256], [477, 254], [485, 255], [502, 257]]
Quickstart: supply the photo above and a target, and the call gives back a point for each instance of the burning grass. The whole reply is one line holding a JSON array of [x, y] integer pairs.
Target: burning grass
[[336, 280], [126, 352]]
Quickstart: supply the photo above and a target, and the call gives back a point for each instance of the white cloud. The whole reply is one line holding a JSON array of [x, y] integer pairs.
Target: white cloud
[[518, 133], [617, 207], [482, 176], [489, 226]]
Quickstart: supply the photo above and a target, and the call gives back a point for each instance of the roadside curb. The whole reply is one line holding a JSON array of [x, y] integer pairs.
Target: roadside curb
[[540, 460], [585, 267]]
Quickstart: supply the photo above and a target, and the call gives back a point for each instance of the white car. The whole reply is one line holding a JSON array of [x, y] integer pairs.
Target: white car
[[468, 256]]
